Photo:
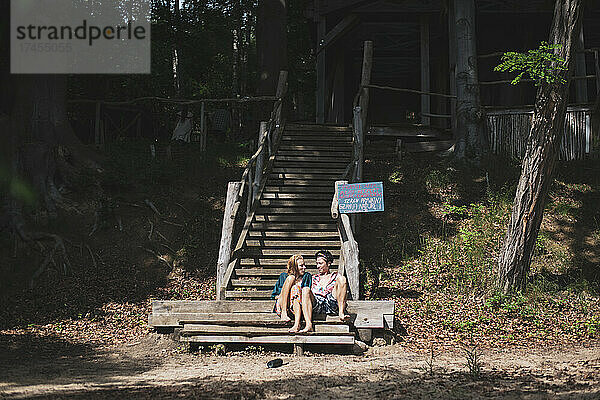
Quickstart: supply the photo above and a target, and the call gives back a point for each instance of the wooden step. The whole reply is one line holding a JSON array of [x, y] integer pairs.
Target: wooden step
[[202, 329], [295, 210], [302, 182], [264, 283], [298, 147], [279, 262], [300, 158], [321, 218], [294, 234], [299, 196], [270, 271], [272, 188], [286, 242], [337, 165], [248, 294], [331, 152], [252, 251], [296, 127], [308, 169], [295, 203], [288, 339], [329, 225], [306, 175]]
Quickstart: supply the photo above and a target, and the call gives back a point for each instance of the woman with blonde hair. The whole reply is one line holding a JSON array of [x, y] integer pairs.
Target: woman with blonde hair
[[288, 291]]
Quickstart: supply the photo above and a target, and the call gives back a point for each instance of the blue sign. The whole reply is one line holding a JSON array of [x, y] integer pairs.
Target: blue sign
[[360, 197]]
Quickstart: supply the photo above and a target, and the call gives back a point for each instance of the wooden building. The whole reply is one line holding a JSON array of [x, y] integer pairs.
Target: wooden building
[[415, 47]]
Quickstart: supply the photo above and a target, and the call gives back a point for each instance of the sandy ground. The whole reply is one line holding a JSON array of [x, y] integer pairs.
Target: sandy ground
[[156, 368]]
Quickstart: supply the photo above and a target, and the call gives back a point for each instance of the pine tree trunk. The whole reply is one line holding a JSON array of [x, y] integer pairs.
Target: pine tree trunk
[[470, 140], [540, 155]]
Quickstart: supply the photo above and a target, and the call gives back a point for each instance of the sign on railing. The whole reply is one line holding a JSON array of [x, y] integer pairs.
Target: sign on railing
[[360, 197]]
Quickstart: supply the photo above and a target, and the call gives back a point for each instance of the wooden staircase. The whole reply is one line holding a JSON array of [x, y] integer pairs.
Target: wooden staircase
[[290, 214], [293, 214]]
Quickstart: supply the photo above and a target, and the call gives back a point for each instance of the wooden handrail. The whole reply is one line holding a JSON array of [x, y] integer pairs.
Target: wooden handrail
[[250, 185]]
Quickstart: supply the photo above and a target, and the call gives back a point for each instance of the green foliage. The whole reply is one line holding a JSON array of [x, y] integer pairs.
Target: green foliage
[[541, 64]]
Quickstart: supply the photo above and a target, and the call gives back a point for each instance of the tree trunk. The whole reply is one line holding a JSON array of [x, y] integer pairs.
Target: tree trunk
[[540, 155], [470, 140], [271, 44]]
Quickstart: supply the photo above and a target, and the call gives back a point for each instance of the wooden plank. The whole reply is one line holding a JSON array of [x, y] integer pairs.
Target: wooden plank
[[287, 339], [251, 250], [323, 152], [295, 147], [404, 131], [306, 175], [233, 189], [293, 234], [272, 271], [248, 294], [298, 189], [291, 127], [293, 210], [281, 226], [440, 145], [290, 218], [307, 169], [276, 262], [270, 283], [195, 329], [300, 182], [369, 313], [286, 242], [299, 196], [292, 203], [321, 165]]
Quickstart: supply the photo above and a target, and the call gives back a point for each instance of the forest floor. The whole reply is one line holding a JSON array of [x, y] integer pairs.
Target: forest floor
[[433, 251]]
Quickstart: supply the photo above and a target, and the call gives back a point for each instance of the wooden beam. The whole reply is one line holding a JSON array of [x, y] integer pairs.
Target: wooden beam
[[262, 133], [404, 131], [292, 339], [439, 145], [425, 71], [337, 32], [233, 188], [195, 329], [581, 92]]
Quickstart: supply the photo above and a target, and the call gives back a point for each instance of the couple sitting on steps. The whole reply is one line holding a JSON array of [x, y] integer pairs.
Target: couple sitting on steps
[[299, 293]]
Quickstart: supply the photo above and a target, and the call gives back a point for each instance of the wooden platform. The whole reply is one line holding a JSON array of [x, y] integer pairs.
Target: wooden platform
[[228, 321]]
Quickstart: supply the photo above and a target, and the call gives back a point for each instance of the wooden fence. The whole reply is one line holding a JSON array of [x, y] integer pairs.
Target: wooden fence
[[507, 132]]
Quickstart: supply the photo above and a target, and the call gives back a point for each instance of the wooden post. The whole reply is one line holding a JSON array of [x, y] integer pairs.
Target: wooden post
[[597, 68], [97, 125], [399, 148], [581, 93], [425, 71], [452, 63], [298, 349], [259, 161], [366, 80], [202, 127], [321, 59], [280, 93], [349, 249], [249, 200], [233, 189]]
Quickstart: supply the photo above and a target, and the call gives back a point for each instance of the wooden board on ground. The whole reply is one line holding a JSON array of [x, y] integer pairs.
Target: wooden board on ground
[[368, 313], [293, 339], [198, 329], [419, 147]]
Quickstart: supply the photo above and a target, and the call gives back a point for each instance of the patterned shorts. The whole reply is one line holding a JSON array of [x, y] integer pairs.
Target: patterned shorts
[[325, 305]]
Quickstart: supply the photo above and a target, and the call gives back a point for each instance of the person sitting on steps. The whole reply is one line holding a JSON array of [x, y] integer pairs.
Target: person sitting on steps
[[327, 294], [288, 291]]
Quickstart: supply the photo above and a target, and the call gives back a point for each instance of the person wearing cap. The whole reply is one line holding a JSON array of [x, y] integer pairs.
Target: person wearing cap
[[327, 294]]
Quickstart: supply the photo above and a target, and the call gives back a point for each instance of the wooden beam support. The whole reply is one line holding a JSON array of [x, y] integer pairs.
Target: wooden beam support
[[262, 133], [581, 92], [425, 71], [233, 188], [337, 32]]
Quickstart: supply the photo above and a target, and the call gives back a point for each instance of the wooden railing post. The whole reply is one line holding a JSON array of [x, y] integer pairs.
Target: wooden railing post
[[281, 91], [365, 80], [203, 132], [233, 189], [349, 261], [262, 133]]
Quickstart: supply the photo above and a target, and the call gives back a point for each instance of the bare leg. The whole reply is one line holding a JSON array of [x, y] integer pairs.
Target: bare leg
[[307, 306], [297, 308], [340, 292], [285, 297]]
